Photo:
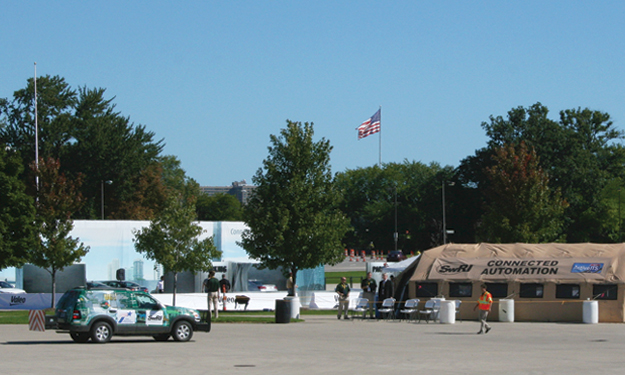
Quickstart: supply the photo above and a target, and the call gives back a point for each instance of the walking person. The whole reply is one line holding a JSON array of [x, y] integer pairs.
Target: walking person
[[484, 303], [342, 290], [369, 287], [211, 286]]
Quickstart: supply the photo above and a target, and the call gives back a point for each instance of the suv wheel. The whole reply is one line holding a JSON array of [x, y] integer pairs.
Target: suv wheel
[[101, 332], [79, 336], [183, 331]]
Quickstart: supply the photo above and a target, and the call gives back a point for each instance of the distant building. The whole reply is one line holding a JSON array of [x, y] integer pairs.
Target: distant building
[[239, 190], [137, 269], [113, 266]]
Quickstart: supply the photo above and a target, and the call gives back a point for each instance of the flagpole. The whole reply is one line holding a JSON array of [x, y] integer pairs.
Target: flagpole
[[380, 162], [36, 134]]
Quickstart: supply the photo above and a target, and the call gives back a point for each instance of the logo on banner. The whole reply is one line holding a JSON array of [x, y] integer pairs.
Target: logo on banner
[[446, 269], [17, 300], [587, 268]]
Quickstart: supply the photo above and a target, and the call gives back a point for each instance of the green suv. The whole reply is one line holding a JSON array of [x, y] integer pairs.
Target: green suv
[[98, 314]]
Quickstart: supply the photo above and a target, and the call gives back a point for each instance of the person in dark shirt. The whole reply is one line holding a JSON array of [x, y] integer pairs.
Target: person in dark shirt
[[211, 286], [224, 284], [342, 290], [369, 286]]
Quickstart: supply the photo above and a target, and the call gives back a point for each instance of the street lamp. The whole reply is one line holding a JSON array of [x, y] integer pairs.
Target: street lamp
[[444, 219], [102, 193], [395, 234]]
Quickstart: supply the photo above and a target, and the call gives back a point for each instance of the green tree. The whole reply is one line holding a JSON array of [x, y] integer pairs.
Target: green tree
[[581, 151], [521, 207], [17, 212], [293, 216], [83, 130], [55, 103], [369, 200], [109, 147], [57, 199], [219, 207], [172, 240]]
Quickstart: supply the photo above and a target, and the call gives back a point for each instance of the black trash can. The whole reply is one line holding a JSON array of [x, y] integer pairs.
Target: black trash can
[[283, 311]]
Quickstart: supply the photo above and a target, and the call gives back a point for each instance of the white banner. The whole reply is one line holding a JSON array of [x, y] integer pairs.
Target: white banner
[[258, 301], [330, 300]]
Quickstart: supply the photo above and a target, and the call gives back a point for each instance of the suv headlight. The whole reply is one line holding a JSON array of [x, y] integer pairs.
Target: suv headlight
[[196, 316]]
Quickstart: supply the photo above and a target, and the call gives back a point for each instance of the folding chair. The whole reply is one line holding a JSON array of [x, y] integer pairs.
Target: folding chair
[[388, 308], [427, 312], [410, 308], [458, 302], [362, 305]]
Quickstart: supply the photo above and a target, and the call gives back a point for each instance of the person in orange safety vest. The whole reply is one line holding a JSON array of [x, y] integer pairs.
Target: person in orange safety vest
[[484, 303]]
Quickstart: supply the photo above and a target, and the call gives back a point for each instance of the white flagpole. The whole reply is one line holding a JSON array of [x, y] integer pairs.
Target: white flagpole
[[36, 133]]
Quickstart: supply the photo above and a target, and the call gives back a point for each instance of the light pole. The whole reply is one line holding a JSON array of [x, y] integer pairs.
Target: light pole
[[395, 234], [444, 219], [108, 182]]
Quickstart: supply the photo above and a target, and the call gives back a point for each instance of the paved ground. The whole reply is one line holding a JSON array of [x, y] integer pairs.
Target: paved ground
[[325, 345]]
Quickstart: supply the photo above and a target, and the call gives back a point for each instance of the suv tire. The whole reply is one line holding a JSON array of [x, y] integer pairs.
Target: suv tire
[[101, 332], [183, 331], [79, 337]]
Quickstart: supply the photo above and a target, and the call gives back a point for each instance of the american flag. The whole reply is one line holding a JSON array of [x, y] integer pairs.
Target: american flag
[[370, 126]]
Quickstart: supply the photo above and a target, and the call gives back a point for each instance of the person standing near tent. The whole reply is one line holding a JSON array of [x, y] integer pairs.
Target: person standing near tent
[[211, 286], [343, 291], [369, 286], [386, 290], [484, 303]]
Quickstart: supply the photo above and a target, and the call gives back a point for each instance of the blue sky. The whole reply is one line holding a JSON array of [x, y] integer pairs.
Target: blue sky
[[215, 79]]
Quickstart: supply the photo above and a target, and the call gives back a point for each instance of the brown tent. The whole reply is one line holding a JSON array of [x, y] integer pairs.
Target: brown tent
[[548, 282]]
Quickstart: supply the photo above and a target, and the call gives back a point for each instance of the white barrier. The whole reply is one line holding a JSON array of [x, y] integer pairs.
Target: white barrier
[[258, 301], [329, 300]]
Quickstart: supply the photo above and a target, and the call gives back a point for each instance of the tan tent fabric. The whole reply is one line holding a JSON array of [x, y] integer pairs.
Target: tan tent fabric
[[553, 262], [584, 265]]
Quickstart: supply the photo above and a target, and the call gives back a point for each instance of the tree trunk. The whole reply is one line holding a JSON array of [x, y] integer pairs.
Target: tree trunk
[[53, 274]]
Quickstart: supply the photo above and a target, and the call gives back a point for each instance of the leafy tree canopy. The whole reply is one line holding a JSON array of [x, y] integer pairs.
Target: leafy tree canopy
[[57, 199], [82, 130], [293, 213], [521, 207], [17, 212], [172, 240], [219, 207]]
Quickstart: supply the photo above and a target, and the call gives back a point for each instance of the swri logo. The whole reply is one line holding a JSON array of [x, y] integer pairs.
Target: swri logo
[[449, 270], [587, 268]]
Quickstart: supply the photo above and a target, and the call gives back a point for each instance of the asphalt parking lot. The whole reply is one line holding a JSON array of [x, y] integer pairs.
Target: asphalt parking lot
[[323, 344]]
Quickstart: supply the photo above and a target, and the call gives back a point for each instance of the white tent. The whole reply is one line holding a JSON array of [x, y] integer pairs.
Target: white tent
[[400, 266]]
